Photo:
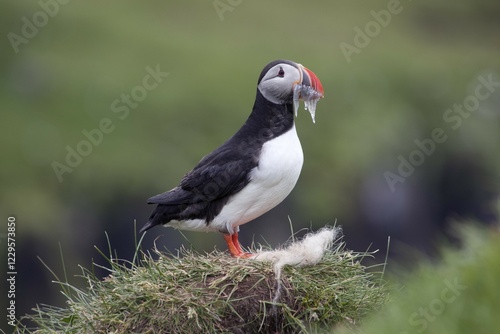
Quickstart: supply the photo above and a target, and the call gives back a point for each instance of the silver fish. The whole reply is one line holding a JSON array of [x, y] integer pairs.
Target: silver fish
[[310, 97]]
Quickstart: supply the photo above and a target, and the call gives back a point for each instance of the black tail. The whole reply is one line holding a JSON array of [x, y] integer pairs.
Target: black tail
[[148, 225], [163, 214], [153, 220]]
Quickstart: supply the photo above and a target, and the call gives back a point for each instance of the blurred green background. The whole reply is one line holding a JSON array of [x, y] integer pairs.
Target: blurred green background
[[62, 66]]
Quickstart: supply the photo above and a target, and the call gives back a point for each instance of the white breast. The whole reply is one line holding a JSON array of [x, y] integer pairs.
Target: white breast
[[270, 183]]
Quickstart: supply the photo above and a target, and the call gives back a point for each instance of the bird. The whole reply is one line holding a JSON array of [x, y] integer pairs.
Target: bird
[[254, 170]]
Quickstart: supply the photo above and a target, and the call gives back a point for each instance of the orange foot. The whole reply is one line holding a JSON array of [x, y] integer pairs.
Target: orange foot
[[234, 246]]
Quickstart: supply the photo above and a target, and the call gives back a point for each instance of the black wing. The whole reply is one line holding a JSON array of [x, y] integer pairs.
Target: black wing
[[203, 191], [223, 172]]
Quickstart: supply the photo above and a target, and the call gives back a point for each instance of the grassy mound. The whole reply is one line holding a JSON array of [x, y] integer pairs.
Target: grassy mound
[[214, 293]]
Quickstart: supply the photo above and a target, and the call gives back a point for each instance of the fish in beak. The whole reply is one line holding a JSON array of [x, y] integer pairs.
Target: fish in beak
[[308, 89]]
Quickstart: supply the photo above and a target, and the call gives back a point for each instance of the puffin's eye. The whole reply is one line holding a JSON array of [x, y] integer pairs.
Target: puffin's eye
[[281, 73]]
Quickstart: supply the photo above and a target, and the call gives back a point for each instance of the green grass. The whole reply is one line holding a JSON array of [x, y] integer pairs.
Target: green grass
[[191, 292], [458, 295], [213, 293]]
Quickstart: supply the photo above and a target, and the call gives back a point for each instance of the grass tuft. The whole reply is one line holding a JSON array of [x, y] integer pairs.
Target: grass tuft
[[214, 293]]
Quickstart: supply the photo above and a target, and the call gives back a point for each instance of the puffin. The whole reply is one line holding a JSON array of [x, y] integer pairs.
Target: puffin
[[254, 170]]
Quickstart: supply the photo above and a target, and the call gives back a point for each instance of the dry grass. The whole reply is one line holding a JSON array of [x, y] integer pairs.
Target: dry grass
[[214, 293]]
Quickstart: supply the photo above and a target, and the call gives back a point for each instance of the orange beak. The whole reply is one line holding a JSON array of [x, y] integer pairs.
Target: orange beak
[[310, 79]]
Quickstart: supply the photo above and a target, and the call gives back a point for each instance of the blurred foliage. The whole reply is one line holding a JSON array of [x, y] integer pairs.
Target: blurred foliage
[[458, 295], [65, 79]]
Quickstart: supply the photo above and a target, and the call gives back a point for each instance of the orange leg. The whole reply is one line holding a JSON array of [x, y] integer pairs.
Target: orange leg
[[234, 246]]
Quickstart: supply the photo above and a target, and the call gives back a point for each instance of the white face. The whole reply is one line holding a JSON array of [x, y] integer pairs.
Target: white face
[[277, 85]]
